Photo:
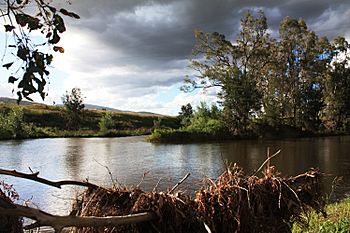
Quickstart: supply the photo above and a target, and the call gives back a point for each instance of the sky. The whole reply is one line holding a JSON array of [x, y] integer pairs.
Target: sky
[[134, 55]]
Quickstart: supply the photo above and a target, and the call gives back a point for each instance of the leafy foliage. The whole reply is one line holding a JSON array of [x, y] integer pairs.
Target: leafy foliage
[[12, 124], [106, 122], [33, 59], [185, 114], [298, 79], [205, 123], [234, 67], [73, 102]]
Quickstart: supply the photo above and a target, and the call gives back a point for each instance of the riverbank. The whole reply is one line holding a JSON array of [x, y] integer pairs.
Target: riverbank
[[44, 121], [186, 135]]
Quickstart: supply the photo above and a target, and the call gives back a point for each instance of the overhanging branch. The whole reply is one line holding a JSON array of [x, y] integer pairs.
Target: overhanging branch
[[35, 177]]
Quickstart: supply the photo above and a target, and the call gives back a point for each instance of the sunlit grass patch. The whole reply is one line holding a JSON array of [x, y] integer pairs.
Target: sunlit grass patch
[[337, 219]]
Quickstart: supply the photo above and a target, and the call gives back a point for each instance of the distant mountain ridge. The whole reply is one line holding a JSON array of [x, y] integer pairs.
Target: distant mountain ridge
[[7, 100]]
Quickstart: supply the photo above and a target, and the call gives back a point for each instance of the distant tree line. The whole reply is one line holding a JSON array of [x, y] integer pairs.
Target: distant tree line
[[297, 79]]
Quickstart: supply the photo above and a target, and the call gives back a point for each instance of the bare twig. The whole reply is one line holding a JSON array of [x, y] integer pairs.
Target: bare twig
[[59, 222], [35, 177], [180, 182], [263, 164], [156, 187], [109, 173], [143, 178]]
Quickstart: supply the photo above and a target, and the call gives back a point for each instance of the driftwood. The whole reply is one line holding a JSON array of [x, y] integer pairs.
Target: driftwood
[[235, 202], [59, 222]]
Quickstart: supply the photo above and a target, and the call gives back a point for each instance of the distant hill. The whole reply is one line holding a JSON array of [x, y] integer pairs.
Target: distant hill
[[87, 106], [14, 101], [98, 107]]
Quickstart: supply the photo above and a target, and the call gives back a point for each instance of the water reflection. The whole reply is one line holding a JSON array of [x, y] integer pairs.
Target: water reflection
[[129, 158]]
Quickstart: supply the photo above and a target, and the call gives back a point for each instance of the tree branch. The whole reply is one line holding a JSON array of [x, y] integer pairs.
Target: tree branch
[[59, 222], [34, 177], [180, 182], [263, 164]]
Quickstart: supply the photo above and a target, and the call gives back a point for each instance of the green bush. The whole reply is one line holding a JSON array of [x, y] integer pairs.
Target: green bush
[[204, 124], [13, 126], [106, 123]]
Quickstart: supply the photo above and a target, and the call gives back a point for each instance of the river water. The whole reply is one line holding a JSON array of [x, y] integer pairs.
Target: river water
[[130, 157]]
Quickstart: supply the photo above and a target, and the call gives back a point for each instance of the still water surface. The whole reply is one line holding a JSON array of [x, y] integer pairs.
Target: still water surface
[[130, 157]]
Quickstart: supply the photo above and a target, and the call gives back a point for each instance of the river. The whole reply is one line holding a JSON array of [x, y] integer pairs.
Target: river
[[130, 157]]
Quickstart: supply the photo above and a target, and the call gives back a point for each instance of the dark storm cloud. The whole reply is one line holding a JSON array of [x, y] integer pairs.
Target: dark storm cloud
[[118, 24], [157, 36], [136, 52]]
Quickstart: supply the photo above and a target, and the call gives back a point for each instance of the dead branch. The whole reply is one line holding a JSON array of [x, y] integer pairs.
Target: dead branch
[[180, 182], [35, 177], [59, 222], [263, 164]]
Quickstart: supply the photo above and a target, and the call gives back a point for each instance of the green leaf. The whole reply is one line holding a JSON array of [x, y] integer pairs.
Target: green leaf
[[59, 23], [19, 97], [55, 38], [22, 53], [8, 65], [12, 79], [43, 94], [58, 48], [28, 98], [24, 19], [8, 28], [70, 14]]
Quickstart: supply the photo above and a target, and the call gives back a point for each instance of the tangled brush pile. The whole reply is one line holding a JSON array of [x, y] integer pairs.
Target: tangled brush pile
[[235, 202]]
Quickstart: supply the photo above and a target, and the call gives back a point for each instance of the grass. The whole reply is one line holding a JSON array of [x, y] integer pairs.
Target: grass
[[337, 219], [50, 121]]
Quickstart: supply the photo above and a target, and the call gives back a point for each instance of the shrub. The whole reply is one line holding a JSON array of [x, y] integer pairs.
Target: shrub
[[106, 122], [12, 125]]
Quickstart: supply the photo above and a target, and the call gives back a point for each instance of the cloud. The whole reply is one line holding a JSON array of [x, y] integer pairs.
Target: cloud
[[132, 54]]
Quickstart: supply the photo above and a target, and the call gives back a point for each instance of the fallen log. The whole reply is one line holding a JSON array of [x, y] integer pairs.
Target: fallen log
[[59, 222]]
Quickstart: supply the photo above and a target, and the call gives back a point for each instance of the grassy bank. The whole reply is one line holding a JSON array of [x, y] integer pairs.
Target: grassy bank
[[184, 135], [203, 134], [38, 120], [337, 219]]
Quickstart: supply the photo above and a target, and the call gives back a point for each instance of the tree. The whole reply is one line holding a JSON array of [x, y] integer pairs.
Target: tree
[[73, 102], [32, 57], [185, 114], [207, 120], [337, 88], [234, 67], [106, 123], [296, 73]]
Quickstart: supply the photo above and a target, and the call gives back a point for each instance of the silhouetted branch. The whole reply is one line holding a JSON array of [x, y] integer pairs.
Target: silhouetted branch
[[35, 177]]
